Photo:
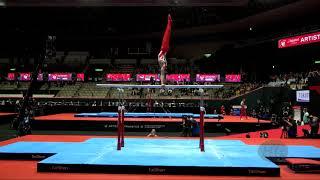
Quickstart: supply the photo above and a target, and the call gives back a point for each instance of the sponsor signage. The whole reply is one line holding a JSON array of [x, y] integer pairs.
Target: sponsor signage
[[178, 77], [207, 77], [299, 40], [118, 77], [147, 77]]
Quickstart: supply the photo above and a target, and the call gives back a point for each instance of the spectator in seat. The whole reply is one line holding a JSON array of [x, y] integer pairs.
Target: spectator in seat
[[153, 133]]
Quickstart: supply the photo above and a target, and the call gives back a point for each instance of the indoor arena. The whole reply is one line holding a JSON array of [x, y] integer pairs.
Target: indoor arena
[[159, 89]]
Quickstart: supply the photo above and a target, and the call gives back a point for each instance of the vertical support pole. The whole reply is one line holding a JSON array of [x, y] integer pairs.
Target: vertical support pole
[[202, 129], [202, 111], [122, 126], [120, 142], [119, 128]]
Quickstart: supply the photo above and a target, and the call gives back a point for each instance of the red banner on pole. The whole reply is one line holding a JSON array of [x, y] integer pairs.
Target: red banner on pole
[[299, 40]]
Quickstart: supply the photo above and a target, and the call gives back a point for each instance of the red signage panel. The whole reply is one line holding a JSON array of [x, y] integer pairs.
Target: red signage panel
[[118, 77], [147, 77], [80, 77], [11, 76], [178, 77], [233, 78], [207, 77], [60, 77], [299, 40]]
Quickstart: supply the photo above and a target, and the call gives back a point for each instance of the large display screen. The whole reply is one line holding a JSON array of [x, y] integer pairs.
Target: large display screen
[[178, 77], [147, 77], [26, 76], [207, 77], [303, 96], [118, 77], [60, 77], [233, 78]]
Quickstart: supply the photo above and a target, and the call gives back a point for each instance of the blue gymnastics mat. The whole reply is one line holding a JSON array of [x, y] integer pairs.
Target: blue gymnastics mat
[[158, 156], [141, 115]]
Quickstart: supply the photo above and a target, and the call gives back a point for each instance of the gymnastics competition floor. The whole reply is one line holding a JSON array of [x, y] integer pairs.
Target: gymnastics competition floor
[[157, 156], [27, 169], [74, 117], [71, 121]]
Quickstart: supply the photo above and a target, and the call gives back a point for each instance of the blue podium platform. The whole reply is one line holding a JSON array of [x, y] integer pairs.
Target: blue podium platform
[[141, 115], [157, 156]]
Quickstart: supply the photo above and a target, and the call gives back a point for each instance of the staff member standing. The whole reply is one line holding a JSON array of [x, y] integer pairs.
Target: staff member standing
[[306, 118], [222, 110], [243, 110], [314, 124]]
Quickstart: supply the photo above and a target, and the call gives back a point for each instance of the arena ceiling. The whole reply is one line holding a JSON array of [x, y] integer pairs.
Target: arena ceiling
[[199, 26], [95, 3]]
